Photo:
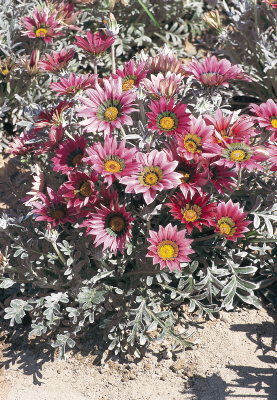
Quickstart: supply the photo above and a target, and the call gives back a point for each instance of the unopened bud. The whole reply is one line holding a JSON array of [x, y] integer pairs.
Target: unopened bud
[[112, 27], [212, 18]]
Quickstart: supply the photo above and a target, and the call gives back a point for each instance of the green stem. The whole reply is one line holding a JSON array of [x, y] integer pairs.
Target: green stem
[[142, 112], [59, 253], [113, 58]]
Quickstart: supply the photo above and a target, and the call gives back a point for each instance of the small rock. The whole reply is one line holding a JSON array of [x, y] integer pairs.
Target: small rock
[[167, 354], [147, 366], [163, 377], [132, 376], [59, 371], [178, 365]]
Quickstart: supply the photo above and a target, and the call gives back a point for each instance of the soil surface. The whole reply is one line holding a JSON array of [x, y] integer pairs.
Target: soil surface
[[235, 358]]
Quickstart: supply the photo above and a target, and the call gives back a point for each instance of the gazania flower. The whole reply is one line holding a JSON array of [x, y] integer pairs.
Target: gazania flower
[[52, 118], [241, 129], [32, 65], [107, 197], [267, 116], [38, 185], [166, 86], [271, 151], [131, 76], [167, 118], [57, 61], [106, 109], [156, 173], [212, 72], [80, 189], [55, 138], [164, 62], [70, 154], [24, 144], [7, 67], [192, 211], [54, 210], [73, 84], [222, 178], [110, 226], [169, 247], [230, 220], [64, 13], [272, 3], [239, 155], [111, 161], [96, 44], [40, 26], [197, 142]]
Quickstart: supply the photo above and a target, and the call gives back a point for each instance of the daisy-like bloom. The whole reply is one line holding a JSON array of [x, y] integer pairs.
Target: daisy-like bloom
[[167, 86], [106, 109], [156, 173], [110, 226], [32, 65], [96, 44], [267, 116], [107, 196], [222, 177], [164, 62], [272, 3], [55, 138], [241, 129], [52, 118], [239, 155], [167, 117], [197, 142], [39, 185], [131, 76], [40, 26], [54, 210], [193, 211], [80, 189], [212, 72], [230, 220], [64, 13], [57, 61], [111, 161], [73, 84], [7, 67], [23, 145], [169, 247], [70, 154]]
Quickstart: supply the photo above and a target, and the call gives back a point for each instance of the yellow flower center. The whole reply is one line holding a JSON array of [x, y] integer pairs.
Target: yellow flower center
[[85, 189], [5, 71], [77, 159], [237, 155], [111, 113], [190, 146], [41, 32], [112, 166], [167, 123], [186, 175], [274, 122], [167, 249], [190, 215], [225, 228], [57, 214], [117, 223], [151, 179], [128, 85]]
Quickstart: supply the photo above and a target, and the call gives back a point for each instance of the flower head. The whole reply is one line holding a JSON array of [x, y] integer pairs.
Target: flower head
[[96, 44], [222, 177], [267, 116], [70, 154], [212, 72], [163, 86], [73, 84], [52, 118], [131, 76], [7, 67], [110, 226], [272, 3], [112, 161], [155, 173], [239, 155], [42, 27], [32, 65], [55, 138], [64, 13], [39, 185], [24, 144], [169, 247], [192, 211], [167, 117], [106, 109], [164, 62], [230, 220], [57, 61]]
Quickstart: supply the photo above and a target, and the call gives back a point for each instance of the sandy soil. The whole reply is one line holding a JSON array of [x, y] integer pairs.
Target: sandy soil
[[235, 358]]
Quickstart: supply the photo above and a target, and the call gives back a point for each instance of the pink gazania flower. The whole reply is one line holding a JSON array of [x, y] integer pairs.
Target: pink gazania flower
[[110, 226], [55, 138], [25, 144], [267, 116], [111, 161], [167, 117], [169, 247], [38, 185], [70, 154], [272, 3], [96, 44], [73, 84], [52, 118], [64, 13], [212, 72], [163, 86], [192, 211], [239, 155], [156, 173], [40, 26], [131, 76], [106, 109], [32, 65], [107, 197], [230, 220], [222, 177], [164, 62], [197, 142], [54, 210], [80, 189], [241, 129], [57, 61]]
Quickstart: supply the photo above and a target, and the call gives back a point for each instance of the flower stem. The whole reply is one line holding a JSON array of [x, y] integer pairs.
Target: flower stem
[[94, 61], [142, 112], [59, 253], [113, 58]]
